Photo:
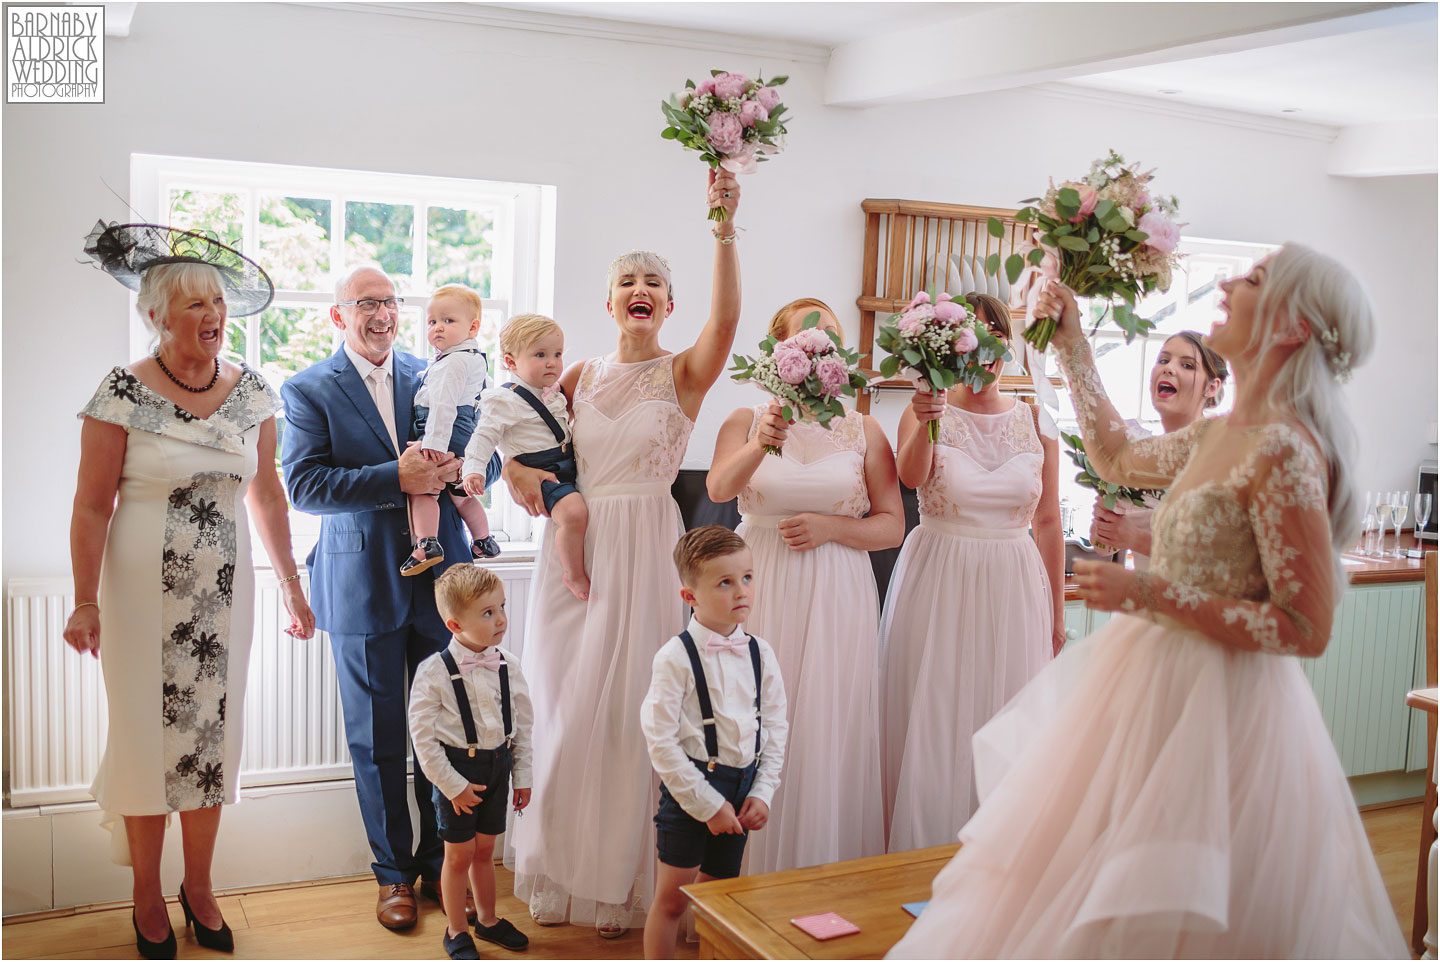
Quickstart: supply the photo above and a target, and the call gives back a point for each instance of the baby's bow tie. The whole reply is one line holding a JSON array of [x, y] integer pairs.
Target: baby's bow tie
[[470, 660]]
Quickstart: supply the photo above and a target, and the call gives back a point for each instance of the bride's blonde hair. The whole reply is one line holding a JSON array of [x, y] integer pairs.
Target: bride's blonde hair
[[1303, 284]]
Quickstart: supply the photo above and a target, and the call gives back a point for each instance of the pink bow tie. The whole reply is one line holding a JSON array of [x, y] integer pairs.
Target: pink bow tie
[[735, 646], [470, 660]]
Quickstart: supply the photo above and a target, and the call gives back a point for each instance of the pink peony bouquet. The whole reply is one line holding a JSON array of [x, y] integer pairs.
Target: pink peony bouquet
[[732, 120], [806, 373], [1104, 236], [938, 342]]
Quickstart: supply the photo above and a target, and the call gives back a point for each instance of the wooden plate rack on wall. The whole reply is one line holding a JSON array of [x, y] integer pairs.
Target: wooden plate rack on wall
[[911, 245]]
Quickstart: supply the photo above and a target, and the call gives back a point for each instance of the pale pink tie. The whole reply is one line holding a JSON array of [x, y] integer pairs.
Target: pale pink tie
[[470, 660]]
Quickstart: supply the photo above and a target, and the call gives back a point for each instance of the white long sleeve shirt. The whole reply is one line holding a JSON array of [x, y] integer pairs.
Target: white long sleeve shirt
[[455, 378], [435, 718], [508, 422], [670, 717]]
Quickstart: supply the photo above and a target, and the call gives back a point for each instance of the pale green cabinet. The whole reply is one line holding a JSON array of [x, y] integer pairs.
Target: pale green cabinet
[[1376, 655]]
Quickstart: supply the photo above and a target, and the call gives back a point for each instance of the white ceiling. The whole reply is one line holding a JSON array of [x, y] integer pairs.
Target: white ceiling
[[1371, 75], [1381, 68], [818, 24]]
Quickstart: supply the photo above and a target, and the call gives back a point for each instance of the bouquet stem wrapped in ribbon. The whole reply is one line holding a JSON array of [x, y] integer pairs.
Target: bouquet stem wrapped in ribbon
[[937, 342], [733, 121], [1105, 236], [807, 373]]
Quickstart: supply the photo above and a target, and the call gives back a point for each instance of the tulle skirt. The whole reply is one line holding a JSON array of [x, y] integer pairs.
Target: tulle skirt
[[586, 847], [1154, 794], [967, 624], [819, 610]]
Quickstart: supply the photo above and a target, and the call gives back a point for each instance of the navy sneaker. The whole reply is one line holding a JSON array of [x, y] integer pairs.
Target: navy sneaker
[[503, 934], [461, 946]]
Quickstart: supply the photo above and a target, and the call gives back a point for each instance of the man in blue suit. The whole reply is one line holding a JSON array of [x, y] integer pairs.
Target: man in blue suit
[[347, 420]]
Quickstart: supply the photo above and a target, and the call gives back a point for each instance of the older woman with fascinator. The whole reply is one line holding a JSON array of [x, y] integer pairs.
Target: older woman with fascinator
[[173, 448]]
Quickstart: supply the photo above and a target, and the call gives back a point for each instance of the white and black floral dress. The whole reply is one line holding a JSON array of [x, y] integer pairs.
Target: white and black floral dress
[[177, 597]]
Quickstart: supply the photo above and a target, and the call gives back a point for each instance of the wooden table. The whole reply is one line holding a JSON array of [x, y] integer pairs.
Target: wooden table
[[749, 917]]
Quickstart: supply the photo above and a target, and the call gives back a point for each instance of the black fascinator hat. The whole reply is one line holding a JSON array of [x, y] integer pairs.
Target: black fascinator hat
[[126, 251]]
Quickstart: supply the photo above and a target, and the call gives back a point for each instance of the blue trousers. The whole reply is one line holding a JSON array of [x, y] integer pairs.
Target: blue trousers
[[375, 673]]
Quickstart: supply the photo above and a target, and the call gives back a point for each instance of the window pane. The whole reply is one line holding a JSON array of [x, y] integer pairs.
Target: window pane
[[294, 240], [199, 210], [382, 234], [460, 247], [292, 339], [235, 338], [410, 337]]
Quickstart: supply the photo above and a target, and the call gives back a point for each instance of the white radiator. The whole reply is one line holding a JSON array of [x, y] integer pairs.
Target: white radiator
[[294, 726]]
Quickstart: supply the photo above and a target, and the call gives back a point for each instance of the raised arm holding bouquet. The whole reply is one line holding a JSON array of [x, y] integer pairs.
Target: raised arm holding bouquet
[[733, 121], [1104, 236]]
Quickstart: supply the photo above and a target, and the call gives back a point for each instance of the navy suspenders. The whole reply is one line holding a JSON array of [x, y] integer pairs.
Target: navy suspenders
[[702, 691], [462, 698], [541, 410]]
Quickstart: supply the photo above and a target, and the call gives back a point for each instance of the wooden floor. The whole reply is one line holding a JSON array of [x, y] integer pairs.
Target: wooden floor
[[332, 920]]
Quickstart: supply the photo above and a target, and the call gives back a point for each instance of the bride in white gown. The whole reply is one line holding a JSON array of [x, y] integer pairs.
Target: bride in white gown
[[1167, 787]]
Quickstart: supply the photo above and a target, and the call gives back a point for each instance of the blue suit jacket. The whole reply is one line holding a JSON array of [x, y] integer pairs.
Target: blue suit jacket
[[339, 463]]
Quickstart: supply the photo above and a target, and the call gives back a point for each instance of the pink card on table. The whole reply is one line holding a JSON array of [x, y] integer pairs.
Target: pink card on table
[[826, 925]]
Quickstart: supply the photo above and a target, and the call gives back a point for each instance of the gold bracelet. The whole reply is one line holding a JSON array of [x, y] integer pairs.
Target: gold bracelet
[[294, 577], [83, 604]]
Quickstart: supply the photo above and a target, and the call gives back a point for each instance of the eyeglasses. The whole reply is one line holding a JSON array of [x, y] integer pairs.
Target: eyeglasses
[[371, 305]]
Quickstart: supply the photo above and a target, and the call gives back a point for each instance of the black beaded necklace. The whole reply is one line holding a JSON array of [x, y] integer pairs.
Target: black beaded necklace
[[192, 390]]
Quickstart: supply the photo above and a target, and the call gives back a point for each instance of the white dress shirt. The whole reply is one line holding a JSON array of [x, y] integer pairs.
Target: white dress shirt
[[435, 718], [509, 422], [453, 379], [384, 397], [670, 717]]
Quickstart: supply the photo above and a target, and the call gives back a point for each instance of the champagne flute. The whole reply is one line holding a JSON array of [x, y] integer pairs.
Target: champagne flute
[[1422, 517], [1399, 509], [1382, 515], [1368, 522]]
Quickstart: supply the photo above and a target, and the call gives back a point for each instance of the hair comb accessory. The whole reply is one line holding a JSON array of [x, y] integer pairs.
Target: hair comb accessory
[[1339, 360], [127, 251]]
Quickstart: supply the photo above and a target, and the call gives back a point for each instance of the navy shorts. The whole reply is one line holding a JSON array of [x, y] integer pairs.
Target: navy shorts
[[490, 767], [459, 437], [561, 462], [685, 842]]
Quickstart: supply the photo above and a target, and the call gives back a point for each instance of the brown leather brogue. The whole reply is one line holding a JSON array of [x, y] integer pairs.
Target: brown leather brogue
[[395, 909]]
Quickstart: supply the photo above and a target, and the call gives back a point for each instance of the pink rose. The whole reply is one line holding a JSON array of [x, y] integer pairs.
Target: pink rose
[[967, 341], [832, 373], [950, 311], [812, 340], [725, 132], [706, 86], [1164, 232], [921, 298], [1088, 199], [768, 97], [942, 296], [742, 161], [750, 111], [791, 363], [728, 86]]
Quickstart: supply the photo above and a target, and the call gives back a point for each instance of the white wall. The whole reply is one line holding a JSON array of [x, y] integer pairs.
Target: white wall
[[303, 85]]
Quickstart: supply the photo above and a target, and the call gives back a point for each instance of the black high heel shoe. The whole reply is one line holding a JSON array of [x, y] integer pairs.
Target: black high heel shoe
[[164, 949], [221, 939]]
